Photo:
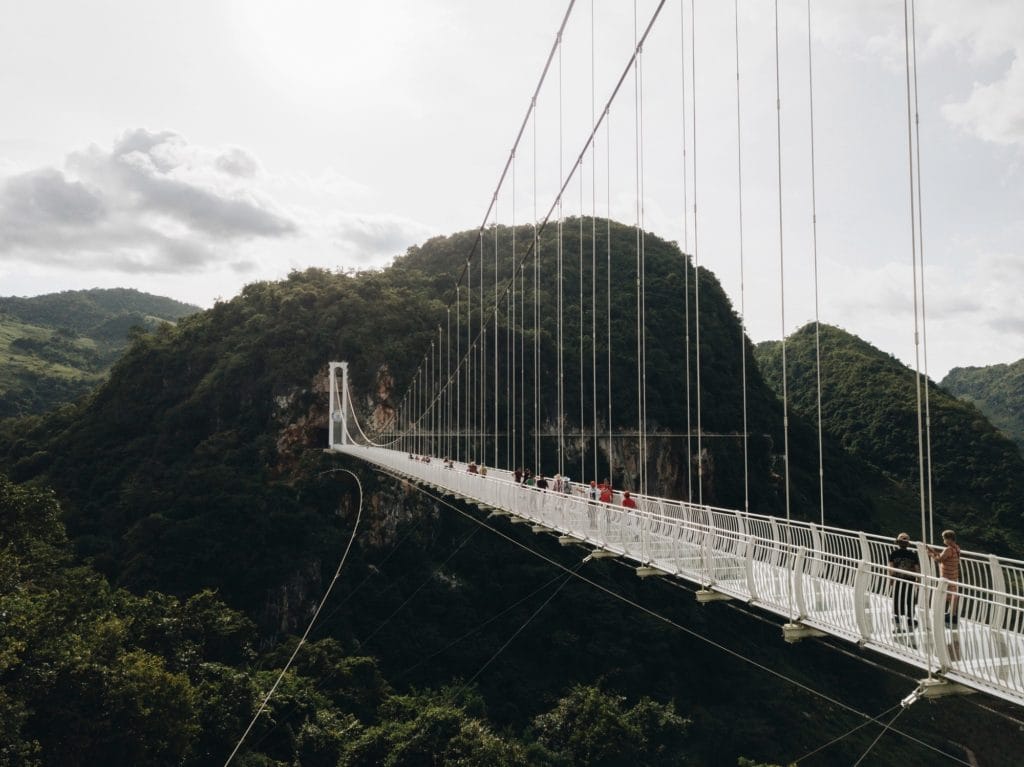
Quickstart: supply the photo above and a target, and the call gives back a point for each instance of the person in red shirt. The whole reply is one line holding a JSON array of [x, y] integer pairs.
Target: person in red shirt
[[606, 492], [627, 501]]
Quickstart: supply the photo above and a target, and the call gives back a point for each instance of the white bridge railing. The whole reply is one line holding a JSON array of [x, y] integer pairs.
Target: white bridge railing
[[832, 580]]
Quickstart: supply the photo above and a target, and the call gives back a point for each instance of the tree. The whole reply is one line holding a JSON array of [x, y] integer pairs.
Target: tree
[[594, 728]]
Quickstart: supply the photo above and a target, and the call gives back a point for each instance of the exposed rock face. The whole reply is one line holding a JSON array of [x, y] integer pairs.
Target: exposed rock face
[[291, 604], [381, 409], [665, 459]]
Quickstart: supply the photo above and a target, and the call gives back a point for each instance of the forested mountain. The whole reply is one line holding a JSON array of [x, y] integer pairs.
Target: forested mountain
[[869, 403], [204, 521], [997, 391], [56, 347]]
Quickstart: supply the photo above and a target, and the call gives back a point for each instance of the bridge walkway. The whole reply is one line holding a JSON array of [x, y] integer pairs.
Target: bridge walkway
[[818, 578]]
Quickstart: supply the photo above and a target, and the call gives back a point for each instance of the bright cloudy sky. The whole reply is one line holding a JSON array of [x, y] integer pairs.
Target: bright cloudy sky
[[189, 148]]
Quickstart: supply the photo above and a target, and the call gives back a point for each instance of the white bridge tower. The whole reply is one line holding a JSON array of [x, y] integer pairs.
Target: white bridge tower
[[337, 431]]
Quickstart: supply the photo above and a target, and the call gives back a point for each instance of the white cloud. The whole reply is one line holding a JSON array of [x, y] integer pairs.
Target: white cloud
[[994, 111], [368, 239], [45, 198], [985, 32], [974, 317], [152, 202], [237, 162], [153, 206], [985, 35]]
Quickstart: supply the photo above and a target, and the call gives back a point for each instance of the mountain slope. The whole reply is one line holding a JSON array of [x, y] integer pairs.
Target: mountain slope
[[86, 311], [203, 427], [997, 391], [199, 466], [56, 347], [869, 403]]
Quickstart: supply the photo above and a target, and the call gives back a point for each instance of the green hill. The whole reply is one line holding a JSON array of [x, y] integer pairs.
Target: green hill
[[869, 403], [225, 405], [997, 391], [204, 521], [56, 347]]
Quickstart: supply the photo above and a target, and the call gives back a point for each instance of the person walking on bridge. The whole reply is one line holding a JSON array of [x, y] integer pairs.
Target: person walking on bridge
[[627, 500], [904, 569]]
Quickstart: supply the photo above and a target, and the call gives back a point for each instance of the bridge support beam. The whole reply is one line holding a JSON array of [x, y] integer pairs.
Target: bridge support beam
[[708, 595], [794, 632], [604, 554], [569, 540], [935, 687], [646, 571], [541, 529]]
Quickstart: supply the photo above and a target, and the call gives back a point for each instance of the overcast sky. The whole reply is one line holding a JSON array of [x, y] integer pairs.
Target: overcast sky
[[188, 148]]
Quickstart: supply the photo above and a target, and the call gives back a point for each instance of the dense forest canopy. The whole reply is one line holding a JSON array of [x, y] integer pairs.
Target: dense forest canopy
[[85, 311], [56, 347], [203, 519], [997, 391]]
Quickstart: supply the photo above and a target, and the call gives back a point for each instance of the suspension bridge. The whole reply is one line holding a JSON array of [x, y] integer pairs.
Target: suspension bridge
[[484, 389], [822, 580]]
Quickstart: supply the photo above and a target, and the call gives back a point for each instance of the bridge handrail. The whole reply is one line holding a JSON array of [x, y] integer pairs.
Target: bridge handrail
[[827, 578], [888, 542], [975, 568]]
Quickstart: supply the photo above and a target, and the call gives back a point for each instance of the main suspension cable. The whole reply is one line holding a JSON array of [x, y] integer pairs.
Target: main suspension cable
[[696, 257], [782, 277], [686, 257], [814, 249], [593, 241], [924, 318], [913, 255], [560, 287], [743, 311]]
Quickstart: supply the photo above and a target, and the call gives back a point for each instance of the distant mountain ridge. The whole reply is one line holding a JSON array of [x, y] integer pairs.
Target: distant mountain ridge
[[56, 347], [869, 403], [84, 311], [996, 390]]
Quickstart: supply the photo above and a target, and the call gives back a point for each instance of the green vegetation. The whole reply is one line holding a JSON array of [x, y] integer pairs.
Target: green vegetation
[[95, 675], [55, 348], [997, 391], [203, 520], [869, 403]]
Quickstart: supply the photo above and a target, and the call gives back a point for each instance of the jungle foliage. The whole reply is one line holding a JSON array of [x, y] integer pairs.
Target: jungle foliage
[[203, 521], [57, 347], [869, 403], [205, 426], [997, 391], [96, 675]]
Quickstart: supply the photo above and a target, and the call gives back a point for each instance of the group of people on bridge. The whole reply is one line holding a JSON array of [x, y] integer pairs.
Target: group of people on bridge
[[560, 483], [905, 568], [602, 492]]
